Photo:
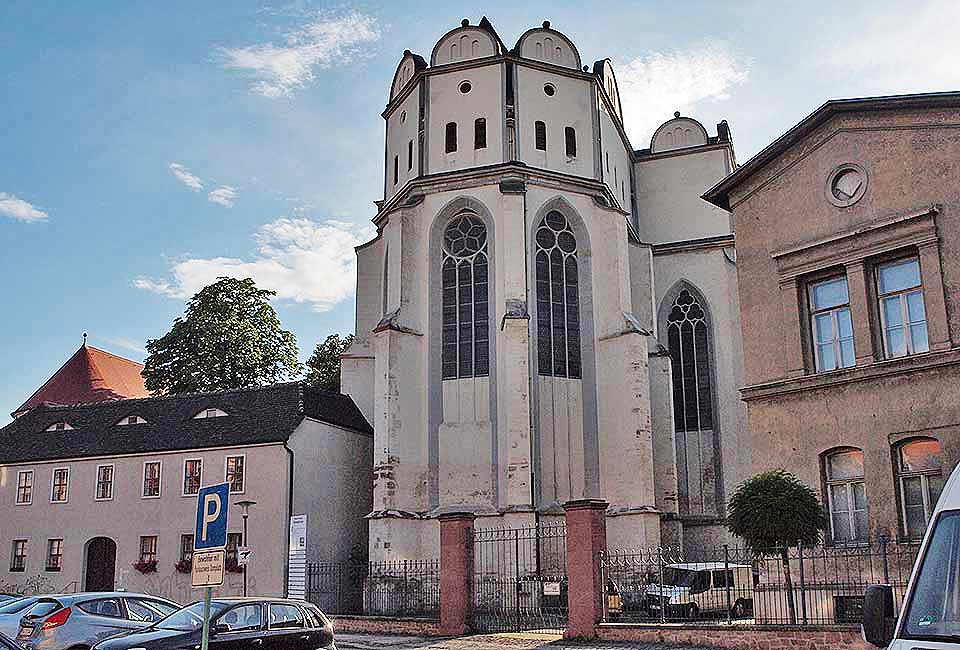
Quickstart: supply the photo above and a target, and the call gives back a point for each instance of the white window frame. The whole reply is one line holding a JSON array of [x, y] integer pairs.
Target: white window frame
[[113, 480], [847, 484], [53, 476], [156, 548], [832, 311], [143, 480], [924, 476], [183, 478], [226, 462], [46, 560], [901, 296], [16, 496]]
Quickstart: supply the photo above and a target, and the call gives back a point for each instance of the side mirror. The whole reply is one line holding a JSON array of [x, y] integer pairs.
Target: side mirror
[[220, 628], [878, 619]]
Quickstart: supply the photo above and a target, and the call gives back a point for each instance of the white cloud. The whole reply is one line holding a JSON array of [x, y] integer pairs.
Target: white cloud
[[127, 344], [20, 210], [278, 70], [655, 84], [223, 195], [303, 260], [186, 177]]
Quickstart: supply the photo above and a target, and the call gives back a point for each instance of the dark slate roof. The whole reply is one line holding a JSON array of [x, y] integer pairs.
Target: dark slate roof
[[254, 416]]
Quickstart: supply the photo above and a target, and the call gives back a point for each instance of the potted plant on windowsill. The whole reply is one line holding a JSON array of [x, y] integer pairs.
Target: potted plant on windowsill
[[184, 566], [146, 566]]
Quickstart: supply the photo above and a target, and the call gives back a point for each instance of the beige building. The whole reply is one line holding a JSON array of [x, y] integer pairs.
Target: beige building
[[848, 250], [530, 274], [103, 495]]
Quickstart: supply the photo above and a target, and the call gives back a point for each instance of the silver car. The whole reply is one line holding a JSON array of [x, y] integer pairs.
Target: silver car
[[81, 620], [12, 611]]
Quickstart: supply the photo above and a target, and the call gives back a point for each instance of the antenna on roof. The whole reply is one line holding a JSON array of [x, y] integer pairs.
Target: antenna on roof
[[84, 339]]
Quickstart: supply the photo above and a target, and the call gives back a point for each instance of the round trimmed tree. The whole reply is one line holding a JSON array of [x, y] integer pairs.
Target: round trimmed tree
[[772, 512]]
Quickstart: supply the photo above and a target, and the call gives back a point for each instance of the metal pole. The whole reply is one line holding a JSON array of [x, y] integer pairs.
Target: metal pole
[[886, 563], [803, 591], [516, 566], [246, 545], [726, 580], [663, 605], [205, 635]]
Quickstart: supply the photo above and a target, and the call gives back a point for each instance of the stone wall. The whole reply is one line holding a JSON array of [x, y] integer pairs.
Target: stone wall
[[740, 637], [385, 625]]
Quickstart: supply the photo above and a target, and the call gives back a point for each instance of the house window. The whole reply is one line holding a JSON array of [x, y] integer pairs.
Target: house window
[[18, 555], [210, 413], [480, 133], [687, 339], [60, 485], [540, 135], [465, 297], [235, 473], [186, 548], [451, 137], [54, 554], [410, 155], [831, 327], [148, 548], [192, 471], [60, 426], [920, 474], [570, 139], [234, 541], [25, 487], [558, 299], [396, 169], [104, 490], [151, 479], [847, 496], [902, 313], [130, 420]]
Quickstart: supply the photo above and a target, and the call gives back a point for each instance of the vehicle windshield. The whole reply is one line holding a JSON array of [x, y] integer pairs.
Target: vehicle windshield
[[17, 605], [676, 577], [190, 618], [933, 612]]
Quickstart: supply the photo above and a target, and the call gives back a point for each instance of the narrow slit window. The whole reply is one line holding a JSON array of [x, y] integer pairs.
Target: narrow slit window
[[570, 137], [410, 155], [451, 137], [540, 135], [480, 133], [396, 169]]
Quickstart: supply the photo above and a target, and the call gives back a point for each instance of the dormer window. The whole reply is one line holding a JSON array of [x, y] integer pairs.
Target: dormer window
[[131, 419], [60, 426], [210, 413]]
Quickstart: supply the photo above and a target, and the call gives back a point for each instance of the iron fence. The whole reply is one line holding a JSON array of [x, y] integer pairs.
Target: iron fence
[[520, 579], [398, 588], [796, 586]]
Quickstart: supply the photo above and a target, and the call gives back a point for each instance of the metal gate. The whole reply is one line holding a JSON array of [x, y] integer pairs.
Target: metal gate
[[520, 579]]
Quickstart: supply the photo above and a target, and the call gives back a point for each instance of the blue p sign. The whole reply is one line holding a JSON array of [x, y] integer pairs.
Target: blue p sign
[[212, 502]]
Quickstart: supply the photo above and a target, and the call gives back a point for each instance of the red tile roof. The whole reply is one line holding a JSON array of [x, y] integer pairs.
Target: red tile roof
[[90, 375]]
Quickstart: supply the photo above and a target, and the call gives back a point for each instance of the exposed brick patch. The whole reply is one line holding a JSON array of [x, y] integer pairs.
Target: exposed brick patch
[[385, 625], [740, 637]]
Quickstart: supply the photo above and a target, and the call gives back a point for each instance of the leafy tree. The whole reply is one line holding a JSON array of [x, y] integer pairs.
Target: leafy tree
[[773, 511], [229, 337], [323, 366]]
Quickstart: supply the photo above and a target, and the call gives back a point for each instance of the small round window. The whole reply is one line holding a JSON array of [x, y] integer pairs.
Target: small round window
[[549, 90], [465, 87], [846, 185]]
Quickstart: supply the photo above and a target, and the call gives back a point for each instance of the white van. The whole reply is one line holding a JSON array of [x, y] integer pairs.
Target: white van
[[691, 590], [930, 617]]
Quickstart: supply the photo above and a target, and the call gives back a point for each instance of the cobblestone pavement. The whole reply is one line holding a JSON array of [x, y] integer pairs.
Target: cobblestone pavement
[[490, 641]]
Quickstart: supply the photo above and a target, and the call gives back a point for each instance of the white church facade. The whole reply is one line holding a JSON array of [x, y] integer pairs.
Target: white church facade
[[545, 314]]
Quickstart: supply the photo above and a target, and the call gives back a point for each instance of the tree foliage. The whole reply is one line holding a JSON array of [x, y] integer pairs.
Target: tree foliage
[[323, 366], [775, 509], [229, 337]]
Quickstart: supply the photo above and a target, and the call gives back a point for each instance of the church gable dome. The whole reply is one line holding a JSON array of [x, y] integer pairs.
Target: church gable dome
[[548, 45], [678, 133], [464, 43]]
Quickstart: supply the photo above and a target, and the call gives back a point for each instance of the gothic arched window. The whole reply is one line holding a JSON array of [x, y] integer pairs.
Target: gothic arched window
[[558, 299], [466, 335], [690, 357]]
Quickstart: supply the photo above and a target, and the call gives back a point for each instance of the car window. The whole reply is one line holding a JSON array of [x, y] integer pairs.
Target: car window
[[283, 615], [321, 620], [17, 605], [102, 607], [242, 618], [190, 618], [148, 611], [43, 607]]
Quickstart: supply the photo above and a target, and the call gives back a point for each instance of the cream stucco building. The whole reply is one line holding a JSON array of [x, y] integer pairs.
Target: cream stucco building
[[546, 313]]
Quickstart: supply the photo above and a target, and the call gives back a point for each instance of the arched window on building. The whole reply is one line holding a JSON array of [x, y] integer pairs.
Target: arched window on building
[[466, 326], [480, 133], [920, 478], [540, 135], [558, 298], [846, 496], [451, 137], [687, 340], [570, 137], [410, 155]]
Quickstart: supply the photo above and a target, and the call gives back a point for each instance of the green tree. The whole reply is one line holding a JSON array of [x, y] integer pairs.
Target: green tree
[[323, 366], [229, 337], [773, 511]]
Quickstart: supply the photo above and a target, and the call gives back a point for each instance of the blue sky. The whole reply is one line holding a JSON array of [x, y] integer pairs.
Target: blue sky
[[149, 147]]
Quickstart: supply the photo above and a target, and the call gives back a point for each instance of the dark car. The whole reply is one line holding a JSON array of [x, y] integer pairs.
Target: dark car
[[235, 624]]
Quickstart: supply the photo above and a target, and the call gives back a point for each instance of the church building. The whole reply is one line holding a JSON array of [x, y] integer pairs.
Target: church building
[[546, 313]]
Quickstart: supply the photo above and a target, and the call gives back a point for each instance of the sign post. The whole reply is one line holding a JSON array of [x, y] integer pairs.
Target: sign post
[[209, 542]]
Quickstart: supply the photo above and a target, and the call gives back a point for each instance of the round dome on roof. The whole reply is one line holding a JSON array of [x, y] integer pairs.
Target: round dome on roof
[[548, 45], [678, 133], [462, 44]]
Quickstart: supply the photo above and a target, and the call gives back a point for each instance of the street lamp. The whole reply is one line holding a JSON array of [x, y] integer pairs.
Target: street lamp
[[245, 512]]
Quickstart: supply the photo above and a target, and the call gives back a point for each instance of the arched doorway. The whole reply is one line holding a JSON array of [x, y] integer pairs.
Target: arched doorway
[[101, 564]]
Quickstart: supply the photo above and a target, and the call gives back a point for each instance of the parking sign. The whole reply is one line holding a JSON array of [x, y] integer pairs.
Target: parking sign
[[212, 506]]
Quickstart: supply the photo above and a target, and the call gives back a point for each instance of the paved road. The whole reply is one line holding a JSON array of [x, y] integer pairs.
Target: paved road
[[491, 641]]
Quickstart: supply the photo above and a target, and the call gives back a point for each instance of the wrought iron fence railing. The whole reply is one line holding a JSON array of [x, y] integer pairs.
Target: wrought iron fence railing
[[796, 586], [397, 588]]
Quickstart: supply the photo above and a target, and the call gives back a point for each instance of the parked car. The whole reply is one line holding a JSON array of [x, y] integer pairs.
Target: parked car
[[12, 611], [80, 620], [694, 590], [7, 597], [235, 623]]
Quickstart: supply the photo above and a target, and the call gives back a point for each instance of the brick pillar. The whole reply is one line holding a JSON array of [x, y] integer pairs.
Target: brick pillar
[[586, 537], [456, 572]]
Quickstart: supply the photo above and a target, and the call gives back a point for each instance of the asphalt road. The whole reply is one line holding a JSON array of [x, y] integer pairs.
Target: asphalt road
[[491, 641]]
